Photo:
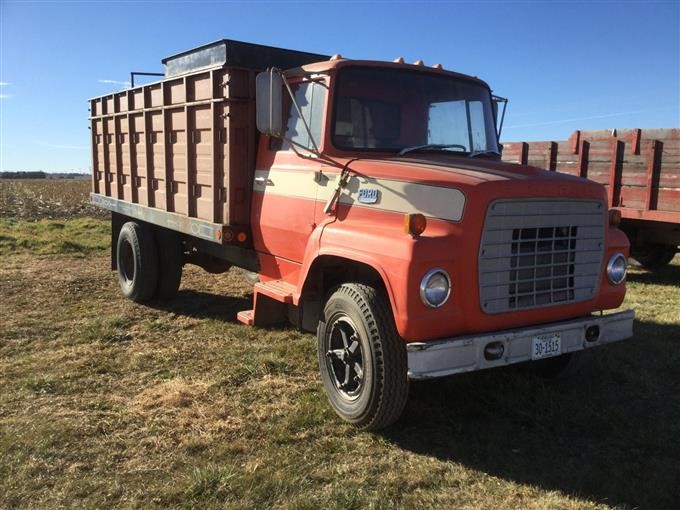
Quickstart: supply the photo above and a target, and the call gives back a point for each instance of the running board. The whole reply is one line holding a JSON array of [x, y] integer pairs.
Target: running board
[[270, 302]]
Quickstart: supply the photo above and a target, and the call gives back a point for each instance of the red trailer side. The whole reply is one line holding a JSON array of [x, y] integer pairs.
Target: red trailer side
[[641, 171]]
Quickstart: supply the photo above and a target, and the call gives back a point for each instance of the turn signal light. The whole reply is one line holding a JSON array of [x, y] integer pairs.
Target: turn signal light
[[415, 224], [614, 217]]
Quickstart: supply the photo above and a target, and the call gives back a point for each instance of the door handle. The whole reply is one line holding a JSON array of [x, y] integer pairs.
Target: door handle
[[261, 180]]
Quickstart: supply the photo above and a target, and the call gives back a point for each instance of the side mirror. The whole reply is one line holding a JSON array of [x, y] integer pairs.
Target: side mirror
[[269, 102]]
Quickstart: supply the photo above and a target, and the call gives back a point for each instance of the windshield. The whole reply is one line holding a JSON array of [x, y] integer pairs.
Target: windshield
[[393, 110]]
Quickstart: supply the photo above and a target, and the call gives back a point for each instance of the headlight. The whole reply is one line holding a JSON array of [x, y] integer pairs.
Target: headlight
[[616, 269], [435, 288]]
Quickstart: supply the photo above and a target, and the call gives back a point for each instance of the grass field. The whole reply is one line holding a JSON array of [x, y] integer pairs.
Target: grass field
[[105, 403]]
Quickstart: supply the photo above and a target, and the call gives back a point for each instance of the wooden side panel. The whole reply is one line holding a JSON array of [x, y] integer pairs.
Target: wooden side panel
[[121, 101], [174, 92], [199, 88], [137, 99], [155, 96], [139, 162], [240, 144], [639, 167], [123, 148], [112, 156], [221, 163], [201, 161], [185, 145], [99, 162], [176, 134], [156, 161]]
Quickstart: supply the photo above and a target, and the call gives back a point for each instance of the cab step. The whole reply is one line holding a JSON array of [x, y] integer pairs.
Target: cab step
[[270, 301], [247, 317], [278, 290]]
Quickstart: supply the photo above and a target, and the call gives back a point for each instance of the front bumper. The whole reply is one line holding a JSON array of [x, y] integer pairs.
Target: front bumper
[[466, 353]]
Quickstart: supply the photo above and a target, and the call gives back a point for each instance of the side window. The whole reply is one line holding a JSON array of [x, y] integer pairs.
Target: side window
[[310, 97]]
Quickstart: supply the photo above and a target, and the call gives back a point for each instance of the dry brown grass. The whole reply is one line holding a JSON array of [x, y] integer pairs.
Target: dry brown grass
[[105, 403], [46, 198]]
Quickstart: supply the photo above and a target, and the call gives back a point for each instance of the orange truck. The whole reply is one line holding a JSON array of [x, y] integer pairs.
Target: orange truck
[[366, 201]]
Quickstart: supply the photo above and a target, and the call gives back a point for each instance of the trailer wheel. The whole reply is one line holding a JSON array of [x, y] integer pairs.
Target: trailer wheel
[[137, 260], [654, 256], [362, 358], [170, 262]]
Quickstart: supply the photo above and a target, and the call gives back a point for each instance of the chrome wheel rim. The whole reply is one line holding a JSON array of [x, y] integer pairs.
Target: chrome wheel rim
[[345, 357]]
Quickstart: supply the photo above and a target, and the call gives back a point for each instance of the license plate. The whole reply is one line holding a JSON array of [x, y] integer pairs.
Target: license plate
[[545, 346]]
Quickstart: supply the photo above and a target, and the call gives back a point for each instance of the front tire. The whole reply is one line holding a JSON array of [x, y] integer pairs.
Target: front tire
[[362, 359], [137, 261]]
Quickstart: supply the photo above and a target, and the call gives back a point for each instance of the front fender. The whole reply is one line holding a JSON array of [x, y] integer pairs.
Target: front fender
[[374, 245]]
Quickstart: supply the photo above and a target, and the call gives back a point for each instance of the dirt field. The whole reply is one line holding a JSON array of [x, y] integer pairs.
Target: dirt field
[[105, 403], [46, 198]]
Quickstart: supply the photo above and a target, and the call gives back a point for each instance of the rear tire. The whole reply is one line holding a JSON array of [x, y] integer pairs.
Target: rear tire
[[137, 261], [170, 262], [654, 256], [362, 359]]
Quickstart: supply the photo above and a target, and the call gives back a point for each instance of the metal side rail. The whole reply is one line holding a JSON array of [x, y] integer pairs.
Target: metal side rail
[[475, 352], [174, 221]]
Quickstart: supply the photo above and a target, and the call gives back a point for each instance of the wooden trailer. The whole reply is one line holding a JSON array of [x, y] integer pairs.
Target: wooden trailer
[[640, 169]]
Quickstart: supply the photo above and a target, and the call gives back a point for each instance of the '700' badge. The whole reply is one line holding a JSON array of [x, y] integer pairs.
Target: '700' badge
[[368, 196]]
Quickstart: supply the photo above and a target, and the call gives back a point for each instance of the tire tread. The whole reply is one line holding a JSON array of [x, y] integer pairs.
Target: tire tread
[[390, 355]]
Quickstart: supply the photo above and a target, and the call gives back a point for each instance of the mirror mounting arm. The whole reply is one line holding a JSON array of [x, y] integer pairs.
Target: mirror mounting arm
[[499, 127]]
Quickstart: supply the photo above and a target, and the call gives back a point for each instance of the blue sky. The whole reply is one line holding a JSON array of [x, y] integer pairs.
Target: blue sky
[[564, 65]]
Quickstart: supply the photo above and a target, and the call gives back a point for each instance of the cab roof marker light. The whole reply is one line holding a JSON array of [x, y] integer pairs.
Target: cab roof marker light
[[419, 62], [337, 56], [398, 60], [438, 67]]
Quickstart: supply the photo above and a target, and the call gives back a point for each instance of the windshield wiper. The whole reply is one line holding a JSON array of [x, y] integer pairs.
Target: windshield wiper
[[431, 146], [474, 154]]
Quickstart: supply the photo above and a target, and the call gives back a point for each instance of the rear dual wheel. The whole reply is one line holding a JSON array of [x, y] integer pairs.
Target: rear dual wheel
[[149, 262], [362, 358]]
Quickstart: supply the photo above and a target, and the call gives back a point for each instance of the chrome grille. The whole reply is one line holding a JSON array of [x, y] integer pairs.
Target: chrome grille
[[537, 253]]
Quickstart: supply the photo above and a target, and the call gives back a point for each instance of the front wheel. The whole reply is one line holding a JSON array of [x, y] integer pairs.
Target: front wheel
[[362, 358]]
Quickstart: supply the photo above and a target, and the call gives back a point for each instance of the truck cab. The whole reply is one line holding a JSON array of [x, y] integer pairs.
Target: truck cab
[[382, 218]]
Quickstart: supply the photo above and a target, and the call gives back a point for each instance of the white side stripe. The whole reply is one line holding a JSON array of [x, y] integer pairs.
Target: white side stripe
[[393, 195]]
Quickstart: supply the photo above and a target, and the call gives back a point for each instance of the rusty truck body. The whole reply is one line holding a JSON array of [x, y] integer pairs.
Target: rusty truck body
[[640, 169], [369, 204]]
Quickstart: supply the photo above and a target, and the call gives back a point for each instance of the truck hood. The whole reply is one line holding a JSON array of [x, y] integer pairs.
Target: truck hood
[[492, 176], [458, 170], [444, 186]]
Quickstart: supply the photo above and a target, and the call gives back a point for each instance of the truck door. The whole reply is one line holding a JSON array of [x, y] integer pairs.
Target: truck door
[[284, 188]]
